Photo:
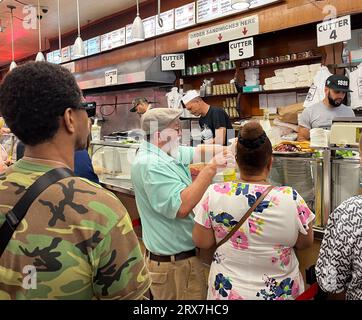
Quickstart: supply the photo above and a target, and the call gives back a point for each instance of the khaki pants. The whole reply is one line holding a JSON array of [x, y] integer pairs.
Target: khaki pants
[[178, 280]]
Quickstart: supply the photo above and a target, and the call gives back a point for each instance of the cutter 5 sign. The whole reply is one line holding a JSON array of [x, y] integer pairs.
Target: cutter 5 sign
[[241, 49]]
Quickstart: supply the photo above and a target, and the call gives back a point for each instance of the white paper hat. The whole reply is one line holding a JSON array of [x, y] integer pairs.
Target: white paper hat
[[190, 95]]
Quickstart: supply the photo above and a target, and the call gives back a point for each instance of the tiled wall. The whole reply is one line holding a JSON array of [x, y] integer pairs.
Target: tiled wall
[[118, 118]]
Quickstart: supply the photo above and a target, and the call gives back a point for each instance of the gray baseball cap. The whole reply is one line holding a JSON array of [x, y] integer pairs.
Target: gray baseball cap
[[158, 119]]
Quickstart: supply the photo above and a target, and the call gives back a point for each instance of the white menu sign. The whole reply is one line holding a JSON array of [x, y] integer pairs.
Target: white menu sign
[[57, 58], [185, 16], [236, 29], [168, 19], [50, 57], [66, 54], [106, 42], [118, 37], [149, 25], [129, 34], [241, 49], [94, 45], [213, 9]]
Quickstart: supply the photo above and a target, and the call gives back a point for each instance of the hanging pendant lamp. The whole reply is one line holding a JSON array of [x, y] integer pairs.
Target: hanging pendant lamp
[[240, 4], [79, 50], [13, 64], [138, 30], [40, 56]]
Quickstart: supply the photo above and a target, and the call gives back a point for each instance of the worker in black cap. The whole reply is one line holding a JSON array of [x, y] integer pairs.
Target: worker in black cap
[[322, 113], [140, 105]]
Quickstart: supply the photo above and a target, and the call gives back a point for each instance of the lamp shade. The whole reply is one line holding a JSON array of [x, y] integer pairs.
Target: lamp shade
[[40, 57], [79, 50], [13, 65], [240, 4], [138, 30]]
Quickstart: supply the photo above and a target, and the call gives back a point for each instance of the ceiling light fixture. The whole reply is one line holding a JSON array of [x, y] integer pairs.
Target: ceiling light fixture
[[79, 49], [138, 30], [40, 56], [13, 63], [240, 4]]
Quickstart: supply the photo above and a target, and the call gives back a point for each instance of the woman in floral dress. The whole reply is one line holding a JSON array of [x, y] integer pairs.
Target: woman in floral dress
[[259, 261]]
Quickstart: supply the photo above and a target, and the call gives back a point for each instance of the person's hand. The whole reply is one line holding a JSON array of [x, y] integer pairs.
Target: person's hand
[[4, 131], [232, 147], [223, 160]]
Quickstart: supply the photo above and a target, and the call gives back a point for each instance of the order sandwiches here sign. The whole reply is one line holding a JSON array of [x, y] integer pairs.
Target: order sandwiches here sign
[[236, 29]]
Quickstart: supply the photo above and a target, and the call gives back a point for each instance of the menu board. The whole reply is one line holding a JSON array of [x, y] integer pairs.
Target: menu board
[[149, 25], [56, 57], [66, 54], [106, 42], [185, 16], [259, 3], [168, 19], [118, 38], [129, 34], [50, 56], [94, 45], [212, 9]]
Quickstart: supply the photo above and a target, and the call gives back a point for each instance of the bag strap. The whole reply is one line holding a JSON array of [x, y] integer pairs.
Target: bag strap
[[245, 217], [18, 212]]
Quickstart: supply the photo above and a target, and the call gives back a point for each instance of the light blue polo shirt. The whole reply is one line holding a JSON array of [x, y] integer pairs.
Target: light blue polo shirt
[[158, 181]]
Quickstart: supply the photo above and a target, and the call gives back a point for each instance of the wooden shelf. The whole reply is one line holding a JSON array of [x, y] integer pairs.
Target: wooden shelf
[[344, 65], [207, 73], [220, 95], [281, 63], [278, 91]]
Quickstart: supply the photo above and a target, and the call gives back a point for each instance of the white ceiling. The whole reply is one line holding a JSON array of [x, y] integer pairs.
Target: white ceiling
[[26, 41]]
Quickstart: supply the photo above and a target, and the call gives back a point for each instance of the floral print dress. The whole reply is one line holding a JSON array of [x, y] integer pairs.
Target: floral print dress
[[259, 261]]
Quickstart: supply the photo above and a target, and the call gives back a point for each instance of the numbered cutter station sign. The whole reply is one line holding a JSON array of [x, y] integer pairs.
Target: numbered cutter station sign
[[173, 62], [334, 31], [241, 49]]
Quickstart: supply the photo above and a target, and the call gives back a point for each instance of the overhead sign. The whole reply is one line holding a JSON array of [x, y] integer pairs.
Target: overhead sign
[[118, 38], [185, 16], [149, 25], [208, 10], [111, 77], [173, 61], [129, 34], [94, 45], [232, 30], [241, 49], [334, 31], [168, 19]]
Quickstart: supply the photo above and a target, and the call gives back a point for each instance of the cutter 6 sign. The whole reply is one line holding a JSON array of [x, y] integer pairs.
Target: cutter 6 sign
[[173, 62]]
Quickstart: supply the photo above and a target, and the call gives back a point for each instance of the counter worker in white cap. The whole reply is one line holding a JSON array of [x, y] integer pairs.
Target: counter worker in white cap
[[165, 198], [214, 121], [322, 114]]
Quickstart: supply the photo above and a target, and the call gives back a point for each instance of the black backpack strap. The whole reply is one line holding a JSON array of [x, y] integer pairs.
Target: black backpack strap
[[16, 215]]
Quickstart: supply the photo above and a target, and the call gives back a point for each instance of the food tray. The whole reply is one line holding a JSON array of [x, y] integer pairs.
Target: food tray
[[293, 154]]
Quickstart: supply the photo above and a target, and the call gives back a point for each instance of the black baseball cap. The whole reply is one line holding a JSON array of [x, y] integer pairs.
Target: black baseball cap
[[338, 83]]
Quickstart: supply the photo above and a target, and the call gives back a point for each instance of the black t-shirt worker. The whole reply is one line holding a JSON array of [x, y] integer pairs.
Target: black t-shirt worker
[[214, 121]]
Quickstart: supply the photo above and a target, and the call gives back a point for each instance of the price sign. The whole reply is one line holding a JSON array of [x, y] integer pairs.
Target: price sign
[[111, 77], [173, 62], [334, 31], [241, 49]]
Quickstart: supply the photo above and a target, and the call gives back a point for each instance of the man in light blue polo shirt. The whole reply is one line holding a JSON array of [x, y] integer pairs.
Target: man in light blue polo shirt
[[165, 197]]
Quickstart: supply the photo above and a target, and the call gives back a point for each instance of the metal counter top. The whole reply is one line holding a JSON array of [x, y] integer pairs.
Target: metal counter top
[[116, 184]]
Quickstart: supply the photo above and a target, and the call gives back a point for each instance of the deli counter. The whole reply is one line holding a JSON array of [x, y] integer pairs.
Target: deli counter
[[324, 179]]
